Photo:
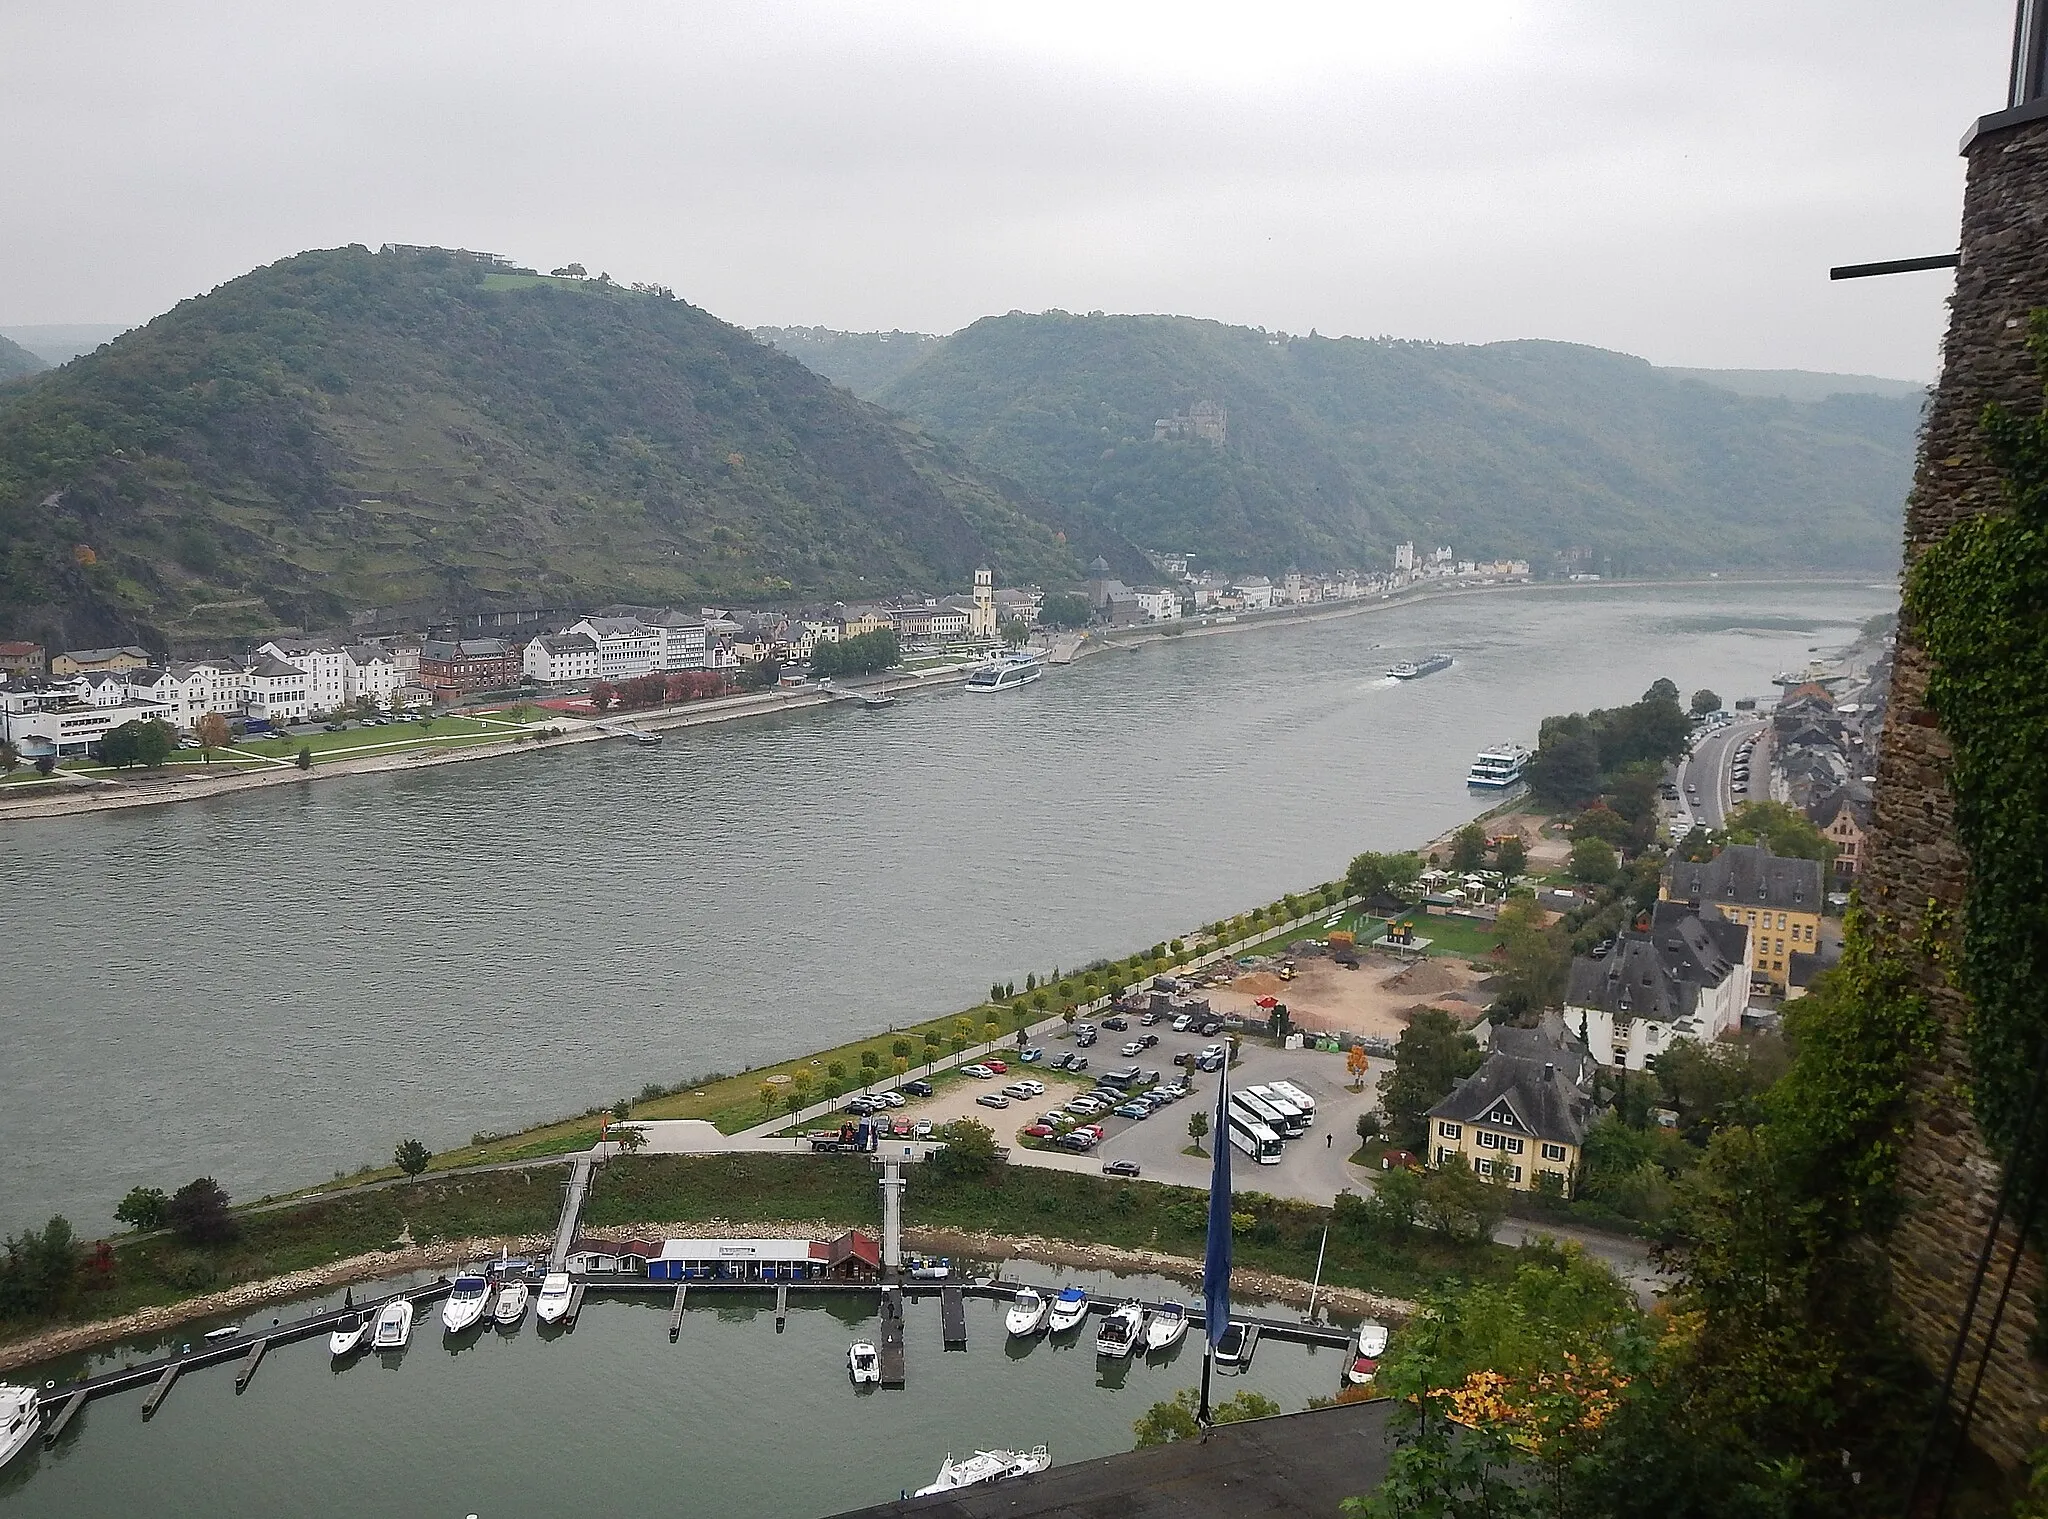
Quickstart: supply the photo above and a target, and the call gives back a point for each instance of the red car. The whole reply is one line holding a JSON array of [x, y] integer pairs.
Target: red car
[[1040, 1131], [997, 1066]]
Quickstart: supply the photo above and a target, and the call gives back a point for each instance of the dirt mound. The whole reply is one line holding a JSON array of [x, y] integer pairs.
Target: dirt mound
[[1425, 978], [1261, 983]]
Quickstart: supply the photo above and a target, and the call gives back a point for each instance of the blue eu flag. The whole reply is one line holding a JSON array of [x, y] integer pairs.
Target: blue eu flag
[[1216, 1262]]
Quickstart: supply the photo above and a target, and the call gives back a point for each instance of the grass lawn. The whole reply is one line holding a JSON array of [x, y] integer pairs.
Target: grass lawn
[[1466, 938], [394, 738]]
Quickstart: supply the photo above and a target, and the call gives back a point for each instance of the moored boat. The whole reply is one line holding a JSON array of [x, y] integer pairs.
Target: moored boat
[[19, 1419], [1028, 1312], [552, 1303], [1499, 767], [468, 1297], [510, 1309], [987, 1466], [348, 1332], [1006, 674], [1121, 1331], [1234, 1351], [863, 1364], [1163, 1331], [1069, 1308], [1366, 1352], [394, 1325], [225, 1332]]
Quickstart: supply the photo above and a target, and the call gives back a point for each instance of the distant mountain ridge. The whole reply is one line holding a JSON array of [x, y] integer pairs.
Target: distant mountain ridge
[[1802, 384], [60, 342], [1333, 450], [864, 362], [344, 430], [16, 361]]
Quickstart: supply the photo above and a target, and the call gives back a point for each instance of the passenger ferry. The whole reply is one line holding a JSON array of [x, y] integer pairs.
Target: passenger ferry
[[1003, 674], [1499, 767], [1406, 670]]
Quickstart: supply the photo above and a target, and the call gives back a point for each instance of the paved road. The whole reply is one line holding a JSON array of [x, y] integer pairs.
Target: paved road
[[1709, 766]]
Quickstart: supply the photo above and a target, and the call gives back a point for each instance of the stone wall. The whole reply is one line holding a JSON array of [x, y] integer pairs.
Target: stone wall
[[1950, 1178]]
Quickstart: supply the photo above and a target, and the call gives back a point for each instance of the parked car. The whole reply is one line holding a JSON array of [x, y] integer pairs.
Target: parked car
[[1035, 1088], [918, 1088], [922, 1129], [1180, 1024], [1085, 1107], [1210, 1026], [893, 1099], [1120, 1168], [1032, 1056], [860, 1107], [1133, 1110], [1079, 1141], [1085, 1040], [1018, 1089], [1080, 1063], [1131, 1047], [1061, 1061], [1038, 1130], [978, 1072], [1083, 1028], [997, 1066], [993, 1100], [1148, 1041], [1148, 1020], [1183, 1057], [1119, 1024], [1094, 1129]]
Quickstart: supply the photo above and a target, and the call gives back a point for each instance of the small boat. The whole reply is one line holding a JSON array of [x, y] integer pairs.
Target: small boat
[[863, 1365], [644, 740], [1411, 670], [878, 703], [19, 1419], [552, 1305], [930, 1268], [348, 1332], [1164, 1329], [1234, 1350], [1366, 1353], [510, 1309], [225, 1332], [1028, 1312], [1068, 1309], [1121, 1332], [987, 1466], [468, 1298], [394, 1326]]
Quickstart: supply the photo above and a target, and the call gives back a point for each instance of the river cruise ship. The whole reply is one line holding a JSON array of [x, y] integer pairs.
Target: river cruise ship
[[1005, 674], [1499, 767]]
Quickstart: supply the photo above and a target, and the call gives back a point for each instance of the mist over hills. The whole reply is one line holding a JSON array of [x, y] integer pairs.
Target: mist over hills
[[343, 430], [16, 361]]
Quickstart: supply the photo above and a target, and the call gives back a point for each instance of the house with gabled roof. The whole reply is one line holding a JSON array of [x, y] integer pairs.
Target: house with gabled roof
[[1684, 974], [1521, 1118]]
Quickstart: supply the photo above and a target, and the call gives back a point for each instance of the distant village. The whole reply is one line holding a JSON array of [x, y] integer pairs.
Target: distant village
[[62, 705]]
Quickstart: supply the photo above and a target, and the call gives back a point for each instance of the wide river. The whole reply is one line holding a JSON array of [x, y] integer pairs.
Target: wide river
[[271, 987]]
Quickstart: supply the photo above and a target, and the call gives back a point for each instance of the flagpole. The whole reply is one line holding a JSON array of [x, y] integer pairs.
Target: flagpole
[[1216, 1258]]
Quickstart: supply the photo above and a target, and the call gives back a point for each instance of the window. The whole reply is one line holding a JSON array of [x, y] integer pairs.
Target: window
[[1482, 1165], [1445, 1157], [1511, 1173], [1781, 920], [1510, 1144], [1558, 1174], [1488, 1140], [1449, 1130], [1553, 1152]]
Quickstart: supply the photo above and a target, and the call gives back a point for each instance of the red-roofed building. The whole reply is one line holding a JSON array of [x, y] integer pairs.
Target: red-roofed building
[[852, 1257]]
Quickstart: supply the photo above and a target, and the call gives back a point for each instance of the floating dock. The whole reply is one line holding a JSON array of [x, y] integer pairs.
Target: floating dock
[[249, 1366], [890, 1350], [675, 1317], [953, 1317], [573, 1193]]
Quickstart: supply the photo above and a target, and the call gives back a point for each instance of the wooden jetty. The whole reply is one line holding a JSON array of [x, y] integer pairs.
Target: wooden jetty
[[573, 1193], [781, 1305], [953, 1317], [675, 1317], [890, 1350], [575, 1305], [162, 1390], [56, 1426], [249, 1366]]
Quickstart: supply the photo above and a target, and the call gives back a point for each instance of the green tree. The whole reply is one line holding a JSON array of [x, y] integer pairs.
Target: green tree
[[969, 1151], [1705, 702], [37, 1269], [1511, 856], [305, 759], [143, 1208], [198, 1211], [1462, 1205], [1198, 1126], [138, 742], [870, 1063], [1468, 848], [1600, 821], [411, 1157], [1371, 875], [1063, 611], [1594, 861], [1174, 1419], [1785, 829], [1537, 959], [1015, 633], [1433, 1053]]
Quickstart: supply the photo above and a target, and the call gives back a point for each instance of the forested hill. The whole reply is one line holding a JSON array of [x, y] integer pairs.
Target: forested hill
[[863, 362], [344, 430], [16, 360], [1336, 449]]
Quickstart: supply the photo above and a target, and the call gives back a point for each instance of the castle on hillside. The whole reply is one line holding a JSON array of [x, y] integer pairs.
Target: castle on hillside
[[1204, 419]]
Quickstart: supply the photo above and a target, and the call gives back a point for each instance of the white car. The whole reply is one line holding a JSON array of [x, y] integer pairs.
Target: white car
[[978, 1072], [1029, 1088], [1131, 1047], [893, 1099], [1087, 1107], [1181, 1024]]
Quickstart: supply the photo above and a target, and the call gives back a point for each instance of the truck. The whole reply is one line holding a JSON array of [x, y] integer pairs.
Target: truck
[[1344, 946], [848, 1139]]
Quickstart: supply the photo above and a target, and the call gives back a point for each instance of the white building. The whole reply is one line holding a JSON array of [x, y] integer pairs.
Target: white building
[[561, 659], [981, 617], [211, 685], [1254, 593], [1404, 559], [1158, 605], [278, 692], [373, 672], [626, 647], [1687, 977], [48, 721], [327, 668]]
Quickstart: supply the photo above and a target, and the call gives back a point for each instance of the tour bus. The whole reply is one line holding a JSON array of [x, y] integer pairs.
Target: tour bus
[[1292, 1120], [1254, 1138], [1298, 1097], [1259, 1111]]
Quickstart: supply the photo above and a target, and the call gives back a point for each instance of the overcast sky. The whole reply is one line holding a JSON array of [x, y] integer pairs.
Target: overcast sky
[[1668, 179]]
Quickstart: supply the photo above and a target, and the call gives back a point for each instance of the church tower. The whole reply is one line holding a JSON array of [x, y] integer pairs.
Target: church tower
[[981, 622]]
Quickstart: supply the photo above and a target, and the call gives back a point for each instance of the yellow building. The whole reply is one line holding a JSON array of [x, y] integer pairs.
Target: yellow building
[[94, 661], [1522, 1116], [1778, 899]]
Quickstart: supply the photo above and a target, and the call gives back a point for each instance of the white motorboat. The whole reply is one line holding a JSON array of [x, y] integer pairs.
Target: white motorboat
[[19, 1419], [1499, 767], [348, 1332], [1006, 674], [510, 1309], [1163, 1331], [469, 1296], [1121, 1332], [863, 1364], [987, 1466], [1366, 1353], [394, 1326], [552, 1304], [1069, 1308], [1234, 1351], [225, 1332], [1028, 1312]]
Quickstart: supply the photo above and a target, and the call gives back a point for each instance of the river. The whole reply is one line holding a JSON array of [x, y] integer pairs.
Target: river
[[274, 986]]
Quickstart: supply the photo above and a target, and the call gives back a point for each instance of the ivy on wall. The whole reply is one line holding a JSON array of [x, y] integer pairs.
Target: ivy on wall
[[1979, 601]]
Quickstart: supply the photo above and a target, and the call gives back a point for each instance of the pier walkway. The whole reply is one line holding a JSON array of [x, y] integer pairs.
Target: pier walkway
[[573, 1194]]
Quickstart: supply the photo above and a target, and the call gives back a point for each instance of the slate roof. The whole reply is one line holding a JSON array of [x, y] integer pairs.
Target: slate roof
[[1659, 973], [567, 643], [1749, 875], [272, 668], [469, 648], [1533, 1077]]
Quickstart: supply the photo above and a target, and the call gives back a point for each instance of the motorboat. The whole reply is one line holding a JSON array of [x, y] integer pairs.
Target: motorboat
[[1497, 768], [1028, 1312], [1121, 1332], [19, 1419], [928, 1268], [552, 1304], [643, 738], [1366, 1353], [1234, 1351], [394, 1325], [1006, 674], [987, 1466], [1163, 1331], [863, 1364], [510, 1309], [348, 1332], [225, 1332], [469, 1297], [1069, 1308]]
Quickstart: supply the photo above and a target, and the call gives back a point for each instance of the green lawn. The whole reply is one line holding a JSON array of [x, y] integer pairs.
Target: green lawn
[[394, 738], [1462, 937]]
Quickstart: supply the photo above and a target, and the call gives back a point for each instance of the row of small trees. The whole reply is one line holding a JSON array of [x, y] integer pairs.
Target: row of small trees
[[656, 690]]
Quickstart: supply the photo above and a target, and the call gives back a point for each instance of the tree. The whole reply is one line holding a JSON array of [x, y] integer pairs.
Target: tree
[[38, 1269], [138, 742], [9, 757], [1538, 959], [1358, 1065], [1432, 1054], [1594, 861], [1373, 875], [969, 1150], [1064, 611], [1600, 821], [198, 1211], [1468, 849], [870, 1063], [1198, 1126], [1461, 1204], [1014, 633], [630, 1139], [760, 674], [1661, 689], [1511, 856], [305, 759], [411, 1156], [212, 733], [602, 695], [1704, 702], [143, 1208], [1784, 829], [1174, 1419]]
